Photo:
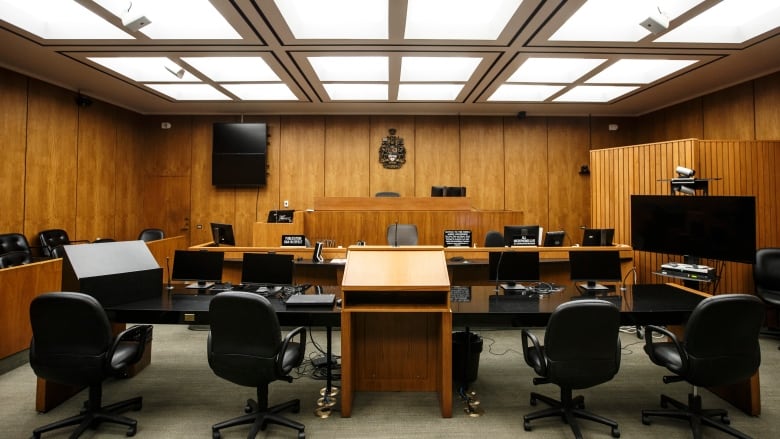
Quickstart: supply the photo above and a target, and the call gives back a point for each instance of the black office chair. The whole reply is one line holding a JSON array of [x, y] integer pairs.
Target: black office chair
[[147, 235], [52, 238], [72, 344], [402, 234], [57, 252], [387, 194], [100, 240], [245, 347], [766, 276], [14, 250], [494, 238], [581, 349], [720, 347]]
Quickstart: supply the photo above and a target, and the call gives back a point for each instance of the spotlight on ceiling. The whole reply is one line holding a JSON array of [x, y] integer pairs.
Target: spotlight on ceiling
[[134, 20], [656, 22], [176, 71]]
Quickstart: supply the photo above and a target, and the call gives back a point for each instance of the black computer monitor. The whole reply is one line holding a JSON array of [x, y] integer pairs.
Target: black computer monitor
[[597, 237], [204, 267], [455, 191], [437, 191], [280, 216], [511, 267], [554, 238], [593, 266], [222, 234], [267, 268], [521, 236]]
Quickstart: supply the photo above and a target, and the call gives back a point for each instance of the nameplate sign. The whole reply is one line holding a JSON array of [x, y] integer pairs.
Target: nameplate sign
[[293, 240], [457, 238]]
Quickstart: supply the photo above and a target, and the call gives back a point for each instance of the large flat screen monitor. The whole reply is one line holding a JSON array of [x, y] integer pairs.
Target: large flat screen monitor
[[222, 234], [239, 154], [713, 227], [204, 267], [521, 236], [267, 269], [591, 267], [597, 237], [511, 267]]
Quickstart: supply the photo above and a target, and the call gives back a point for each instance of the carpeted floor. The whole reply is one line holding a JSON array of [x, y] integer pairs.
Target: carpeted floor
[[183, 398]]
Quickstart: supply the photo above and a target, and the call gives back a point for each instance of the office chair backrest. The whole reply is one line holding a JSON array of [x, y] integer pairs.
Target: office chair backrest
[[582, 343], [766, 274], [52, 238], [151, 235], [721, 339], [387, 194], [57, 252], [14, 250], [405, 235], [494, 238], [71, 337], [245, 338]]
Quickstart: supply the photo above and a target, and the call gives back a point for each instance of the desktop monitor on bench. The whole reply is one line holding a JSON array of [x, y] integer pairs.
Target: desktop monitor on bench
[[203, 267], [267, 269], [511, 267], [222, 234], [522, 236], [593, 266]]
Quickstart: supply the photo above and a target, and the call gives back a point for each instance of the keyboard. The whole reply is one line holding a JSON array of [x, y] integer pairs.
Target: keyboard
[[311, 300]]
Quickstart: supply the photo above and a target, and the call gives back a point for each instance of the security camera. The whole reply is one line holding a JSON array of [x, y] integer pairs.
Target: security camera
[[684, 172], [135, 22], [656, 22]]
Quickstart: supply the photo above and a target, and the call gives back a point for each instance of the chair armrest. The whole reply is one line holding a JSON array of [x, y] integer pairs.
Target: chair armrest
[[136, 334], [649, 330], [299, 332], [537, 349]]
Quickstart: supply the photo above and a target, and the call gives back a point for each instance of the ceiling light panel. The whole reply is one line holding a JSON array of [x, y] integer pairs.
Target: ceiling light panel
[[639, 71], [438, 69], [261, 92], [524, 93], [594, 93], [59, 20], [233, 69], [429, 92], [350, 68], [617, 20], [175, 19], [458, 19], [356, 92], [190, 92], [554, 70], [730, 21], [144, 69], [336, 19]]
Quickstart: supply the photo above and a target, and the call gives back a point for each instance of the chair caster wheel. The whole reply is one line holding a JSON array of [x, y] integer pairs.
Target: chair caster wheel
[[526, 426], [615, 432], [301, 435], [645, 420], [216, 435], [130, 431], [533, 401]]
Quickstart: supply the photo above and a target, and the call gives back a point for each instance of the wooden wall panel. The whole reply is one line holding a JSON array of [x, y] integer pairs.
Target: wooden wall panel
[[526, 182], [728, 114], [437, 154], [569, 192], [347, 156], [96, 184], [767, 93], [602, 137], [129, 219], [50, 184], [13, 121], [302, 155], [481, 149], [395, 180]]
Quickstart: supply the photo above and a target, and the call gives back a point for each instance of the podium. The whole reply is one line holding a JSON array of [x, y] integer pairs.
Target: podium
[[396, 323], [270, 234]]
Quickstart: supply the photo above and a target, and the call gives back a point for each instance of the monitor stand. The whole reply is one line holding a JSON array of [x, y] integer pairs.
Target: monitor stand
[[592, 287], [200, 285]]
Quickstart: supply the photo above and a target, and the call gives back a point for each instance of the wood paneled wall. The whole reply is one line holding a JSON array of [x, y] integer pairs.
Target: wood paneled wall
[[746, 168]]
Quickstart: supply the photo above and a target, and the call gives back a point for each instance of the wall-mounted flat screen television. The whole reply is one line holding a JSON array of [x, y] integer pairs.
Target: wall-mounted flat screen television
[[239, 154], [712, 227]]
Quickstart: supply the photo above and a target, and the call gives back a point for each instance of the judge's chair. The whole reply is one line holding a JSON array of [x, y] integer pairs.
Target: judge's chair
[[72, 344], [245, 347], [720, 347], [402, 234], [581, 349], [147, 235], [14, 250], [52, 238], [494, 238]]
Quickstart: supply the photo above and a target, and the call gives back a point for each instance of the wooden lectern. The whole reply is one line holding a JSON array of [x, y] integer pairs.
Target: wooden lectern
[[396, 323]]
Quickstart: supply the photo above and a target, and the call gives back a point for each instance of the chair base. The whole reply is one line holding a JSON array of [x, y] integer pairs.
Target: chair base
[[568, 409], [91, 418], [695, 415], [260, 419]]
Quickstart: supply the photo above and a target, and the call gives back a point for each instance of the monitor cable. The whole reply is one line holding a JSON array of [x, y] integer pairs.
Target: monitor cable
[[168, 266]]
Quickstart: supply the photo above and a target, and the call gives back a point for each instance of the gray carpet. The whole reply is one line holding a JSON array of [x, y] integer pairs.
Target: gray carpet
[[183, 398]]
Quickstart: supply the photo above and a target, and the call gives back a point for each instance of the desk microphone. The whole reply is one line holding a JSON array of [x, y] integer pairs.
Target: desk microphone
[[168, 265]]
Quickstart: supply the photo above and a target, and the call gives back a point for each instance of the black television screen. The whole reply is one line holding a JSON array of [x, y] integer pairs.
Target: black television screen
[[239, 138], [513, 266], [202, 266], [521, 236], [239, 154], [267, 268], [713, 227], [222, 234], [593, 266]]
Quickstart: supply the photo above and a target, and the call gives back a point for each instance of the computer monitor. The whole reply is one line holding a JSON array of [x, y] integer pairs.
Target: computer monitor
[[222, 234], [455, 191], [593, 266], [511, 267], [204, 267], [554, 238], [521, 236], [437, 191], [267, 268], [597, 237], [280, 216]]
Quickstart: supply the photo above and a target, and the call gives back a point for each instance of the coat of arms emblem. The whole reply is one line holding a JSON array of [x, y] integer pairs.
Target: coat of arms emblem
[[392, 153]]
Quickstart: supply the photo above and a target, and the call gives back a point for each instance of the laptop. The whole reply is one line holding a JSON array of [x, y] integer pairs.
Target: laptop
[[311, 300]]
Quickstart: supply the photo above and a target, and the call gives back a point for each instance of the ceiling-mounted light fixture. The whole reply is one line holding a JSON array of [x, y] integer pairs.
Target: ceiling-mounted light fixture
[[134, 20], [175, 70], [656, 22]]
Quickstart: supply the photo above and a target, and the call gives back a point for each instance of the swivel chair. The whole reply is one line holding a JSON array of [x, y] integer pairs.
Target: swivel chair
[[402, 234], [52, 238], [14, 250], [581, 349], [494, 238], [766, 276], [245, 347], [720, 347], [147, 235], [73, 344]]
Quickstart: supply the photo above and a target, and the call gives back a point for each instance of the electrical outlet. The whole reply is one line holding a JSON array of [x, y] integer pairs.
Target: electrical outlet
[[286, 203]]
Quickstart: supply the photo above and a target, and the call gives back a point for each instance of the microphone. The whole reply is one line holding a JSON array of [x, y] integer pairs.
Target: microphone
[[168, 265], [395, 238]]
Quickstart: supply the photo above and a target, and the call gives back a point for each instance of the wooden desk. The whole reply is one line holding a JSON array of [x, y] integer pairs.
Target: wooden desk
[[396, 323]]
